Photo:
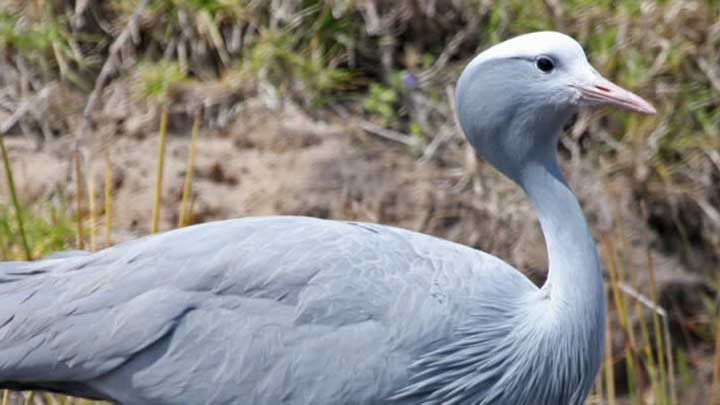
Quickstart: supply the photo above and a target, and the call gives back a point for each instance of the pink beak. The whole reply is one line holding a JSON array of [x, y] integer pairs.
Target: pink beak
[[603, 91]]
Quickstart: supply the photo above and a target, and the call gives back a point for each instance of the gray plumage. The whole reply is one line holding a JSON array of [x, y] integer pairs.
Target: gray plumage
[[297, 310]]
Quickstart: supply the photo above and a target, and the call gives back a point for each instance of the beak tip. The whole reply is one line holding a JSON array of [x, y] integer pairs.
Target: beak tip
[[605, 91], [649, 109]]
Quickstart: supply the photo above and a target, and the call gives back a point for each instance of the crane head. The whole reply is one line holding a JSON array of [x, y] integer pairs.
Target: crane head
[[513, 98]]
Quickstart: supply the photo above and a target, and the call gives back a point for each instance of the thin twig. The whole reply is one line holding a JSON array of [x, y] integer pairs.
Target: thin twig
[[15, 117], [662, 313], [453, 45], [111, 60], [710, 72], [445, 136], [25, 107], [388, 133]]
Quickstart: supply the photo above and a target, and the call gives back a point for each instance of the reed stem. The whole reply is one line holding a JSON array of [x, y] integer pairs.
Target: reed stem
[[108, 198], [184, 218], [609, 371], [716, 364], [29, 398], [14, 199], [79, 239], [91, 206], [159, 171], [657, 330]]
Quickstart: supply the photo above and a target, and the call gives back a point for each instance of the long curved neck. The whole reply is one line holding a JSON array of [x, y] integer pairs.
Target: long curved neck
[[574, 269], [518, 135], [525, 150]]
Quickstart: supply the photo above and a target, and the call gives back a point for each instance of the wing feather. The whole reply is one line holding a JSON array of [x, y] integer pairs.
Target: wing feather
[[258, 310]]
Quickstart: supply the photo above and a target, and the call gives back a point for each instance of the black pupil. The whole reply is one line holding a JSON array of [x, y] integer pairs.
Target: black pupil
[[545, 64]]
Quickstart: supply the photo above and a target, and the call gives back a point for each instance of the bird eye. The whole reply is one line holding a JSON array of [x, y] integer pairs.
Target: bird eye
[[545, 64]]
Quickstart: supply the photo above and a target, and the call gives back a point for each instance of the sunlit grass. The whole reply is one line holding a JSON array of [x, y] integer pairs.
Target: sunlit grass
[[47, 227], [153, 82], [14, 199]]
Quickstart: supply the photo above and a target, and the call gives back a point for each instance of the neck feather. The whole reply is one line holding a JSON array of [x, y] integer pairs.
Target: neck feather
[[574, 269], [573, 291], [558, 330]]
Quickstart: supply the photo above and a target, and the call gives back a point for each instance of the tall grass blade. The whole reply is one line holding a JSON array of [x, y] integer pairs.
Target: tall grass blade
[[3, 251], [650, 362], [609, 371], [191, 211], [670, 361], [159, 172], [29, 398], [635, 376], [716, 365], [14, 199], [657, 330], [616, 277], [187, 186], [620, 308], [5, 397], [108, 198], [91, 206], [597, 397], [646, 347], [660, 312], [79, 239]]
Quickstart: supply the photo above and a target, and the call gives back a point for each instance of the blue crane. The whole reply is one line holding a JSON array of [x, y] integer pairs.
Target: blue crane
[[297, 310]]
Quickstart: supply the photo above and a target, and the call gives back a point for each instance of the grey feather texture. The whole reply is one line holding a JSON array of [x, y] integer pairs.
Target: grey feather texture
[[207, 306], [295, 310]]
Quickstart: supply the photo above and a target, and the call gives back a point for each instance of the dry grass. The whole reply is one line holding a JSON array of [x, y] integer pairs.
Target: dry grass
[[14, 199]]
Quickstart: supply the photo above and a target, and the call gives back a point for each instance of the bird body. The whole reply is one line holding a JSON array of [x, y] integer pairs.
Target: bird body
[[199, 315], [297, 310]]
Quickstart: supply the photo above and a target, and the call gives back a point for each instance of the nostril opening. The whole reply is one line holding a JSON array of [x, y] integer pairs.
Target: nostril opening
[[602, 88]]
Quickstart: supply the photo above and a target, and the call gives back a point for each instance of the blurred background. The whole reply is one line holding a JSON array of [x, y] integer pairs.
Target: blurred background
[[122, 118]]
